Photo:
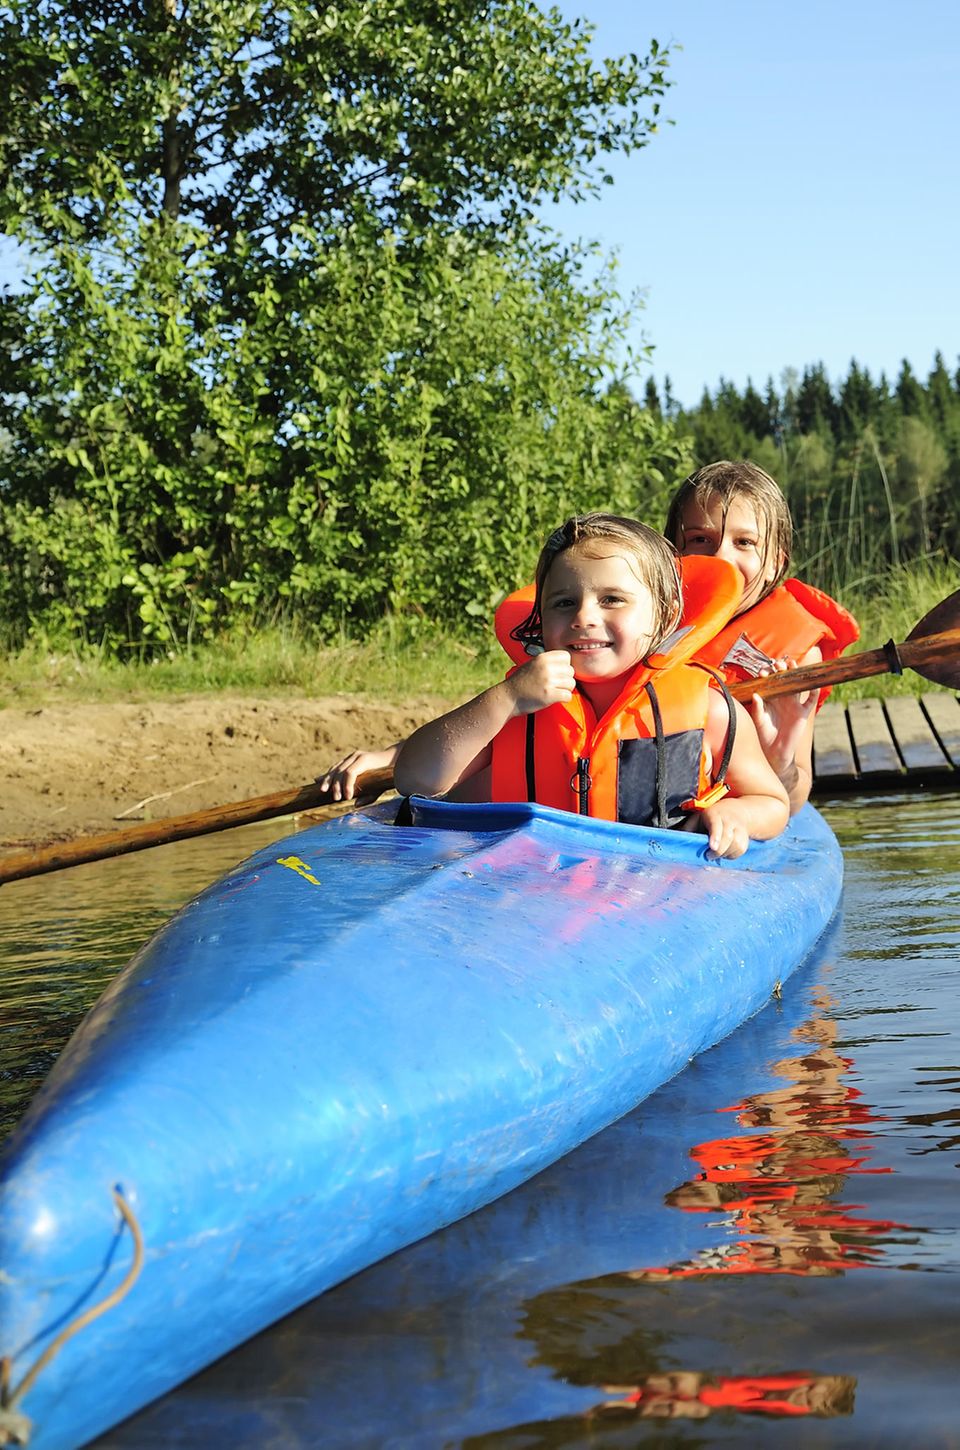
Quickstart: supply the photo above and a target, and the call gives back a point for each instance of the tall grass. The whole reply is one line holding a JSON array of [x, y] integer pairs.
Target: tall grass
[[850, 542], [396, 662], [891, 612]]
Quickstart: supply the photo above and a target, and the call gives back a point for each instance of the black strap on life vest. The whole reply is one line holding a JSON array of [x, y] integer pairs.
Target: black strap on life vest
[[721, 774], [530, 758], [661, 780]]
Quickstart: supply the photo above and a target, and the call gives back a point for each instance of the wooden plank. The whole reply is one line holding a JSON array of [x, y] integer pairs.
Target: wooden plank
[[832, 752], [916, 742], [875, 750], [943, 712]]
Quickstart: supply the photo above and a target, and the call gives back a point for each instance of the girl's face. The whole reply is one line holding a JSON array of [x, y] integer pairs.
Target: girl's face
[[596, 607], [739, 539]]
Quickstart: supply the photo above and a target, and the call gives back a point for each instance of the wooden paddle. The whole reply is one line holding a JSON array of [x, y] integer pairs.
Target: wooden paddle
[[177, 828], [934, 655]]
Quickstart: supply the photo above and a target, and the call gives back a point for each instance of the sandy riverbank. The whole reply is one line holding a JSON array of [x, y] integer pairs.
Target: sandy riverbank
[[72, 769]]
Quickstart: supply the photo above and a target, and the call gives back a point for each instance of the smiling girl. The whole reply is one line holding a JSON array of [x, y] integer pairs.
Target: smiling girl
[[599, 721], [733, 510]]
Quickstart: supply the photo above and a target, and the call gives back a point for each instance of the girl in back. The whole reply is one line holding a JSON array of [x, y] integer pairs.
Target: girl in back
[[615, 733], [735, 511]]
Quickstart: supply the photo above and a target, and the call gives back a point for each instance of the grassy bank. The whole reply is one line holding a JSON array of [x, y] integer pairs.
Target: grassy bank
[[394, 663]]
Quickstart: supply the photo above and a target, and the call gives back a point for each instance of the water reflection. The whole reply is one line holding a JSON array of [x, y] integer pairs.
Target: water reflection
[[942, 1118], [777, 1188], [690, 1396], [682, 1395], [596, 1334], [773, 1193]]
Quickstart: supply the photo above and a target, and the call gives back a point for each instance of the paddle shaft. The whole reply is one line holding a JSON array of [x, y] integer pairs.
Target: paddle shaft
[[21, 864], [914, 654]]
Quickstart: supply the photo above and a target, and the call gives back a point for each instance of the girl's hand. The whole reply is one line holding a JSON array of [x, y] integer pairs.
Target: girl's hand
[[340, 781], [727, 833], [782, 722], [543, 681]]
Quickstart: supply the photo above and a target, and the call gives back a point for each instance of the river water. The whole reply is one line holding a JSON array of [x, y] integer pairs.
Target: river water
[[766, 1251]]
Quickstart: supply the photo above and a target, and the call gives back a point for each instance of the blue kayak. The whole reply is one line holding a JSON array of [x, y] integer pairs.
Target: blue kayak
[[361, 1034]]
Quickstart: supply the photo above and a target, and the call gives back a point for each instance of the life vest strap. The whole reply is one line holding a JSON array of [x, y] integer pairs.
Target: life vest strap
[[721, 775], [661, 781], [530, 757]]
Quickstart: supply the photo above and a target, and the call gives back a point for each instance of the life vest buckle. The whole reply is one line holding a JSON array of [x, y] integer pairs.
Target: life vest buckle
[[709, 798]]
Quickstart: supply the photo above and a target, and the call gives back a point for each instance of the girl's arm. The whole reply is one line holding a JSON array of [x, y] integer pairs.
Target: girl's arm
[[757, 807], [785, 728], [452, 749]]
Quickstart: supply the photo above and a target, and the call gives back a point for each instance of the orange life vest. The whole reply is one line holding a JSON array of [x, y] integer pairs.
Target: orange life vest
[[644, 761], [790, 621]]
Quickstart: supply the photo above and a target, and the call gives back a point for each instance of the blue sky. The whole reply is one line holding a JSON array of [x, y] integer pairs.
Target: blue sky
[[805, 205]]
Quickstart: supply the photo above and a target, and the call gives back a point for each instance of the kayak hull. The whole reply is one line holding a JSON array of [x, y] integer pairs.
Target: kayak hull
[[356, 1037]]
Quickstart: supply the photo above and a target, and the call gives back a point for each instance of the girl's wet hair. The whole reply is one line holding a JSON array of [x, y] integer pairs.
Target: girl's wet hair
[[727, 481], [653, 557]]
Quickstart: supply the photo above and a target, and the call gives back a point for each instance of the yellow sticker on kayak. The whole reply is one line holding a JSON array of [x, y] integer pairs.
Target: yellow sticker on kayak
[[302, 869]]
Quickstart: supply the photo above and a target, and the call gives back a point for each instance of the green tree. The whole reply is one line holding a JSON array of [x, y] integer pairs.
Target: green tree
[[910, 394], [943, 401], [944, 409], [246, 118], [814, 407], [716, 426], [293, 336], [754, 413], [858, 402], [868, 471], [789, 384]]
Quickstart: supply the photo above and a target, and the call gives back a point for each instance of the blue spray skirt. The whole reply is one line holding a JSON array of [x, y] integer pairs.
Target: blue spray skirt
[[357, 1036]]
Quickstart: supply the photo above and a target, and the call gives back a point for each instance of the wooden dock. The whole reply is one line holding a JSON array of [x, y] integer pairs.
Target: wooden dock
[[902, 741]]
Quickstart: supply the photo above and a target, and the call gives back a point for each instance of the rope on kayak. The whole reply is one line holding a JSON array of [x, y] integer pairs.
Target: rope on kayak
[[15, 1427]]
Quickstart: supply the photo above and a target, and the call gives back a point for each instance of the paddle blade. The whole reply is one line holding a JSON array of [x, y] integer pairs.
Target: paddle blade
[[944, 670]]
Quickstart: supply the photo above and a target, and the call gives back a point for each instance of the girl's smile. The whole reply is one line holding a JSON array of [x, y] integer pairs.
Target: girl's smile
[[596, 608], [737, 538]]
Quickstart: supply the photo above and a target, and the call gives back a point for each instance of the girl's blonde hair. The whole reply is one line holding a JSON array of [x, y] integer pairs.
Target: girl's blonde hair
[[653, 557], [726, 481]]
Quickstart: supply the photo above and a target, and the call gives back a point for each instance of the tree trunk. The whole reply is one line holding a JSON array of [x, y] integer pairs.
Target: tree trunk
[[171, 141]]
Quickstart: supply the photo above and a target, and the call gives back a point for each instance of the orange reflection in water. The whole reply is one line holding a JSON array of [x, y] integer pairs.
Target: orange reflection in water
[[777, 1187], [774, 1189]]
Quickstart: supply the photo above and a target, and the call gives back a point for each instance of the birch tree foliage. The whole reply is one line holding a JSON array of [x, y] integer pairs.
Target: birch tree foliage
[[243, 117], [293, 338]]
